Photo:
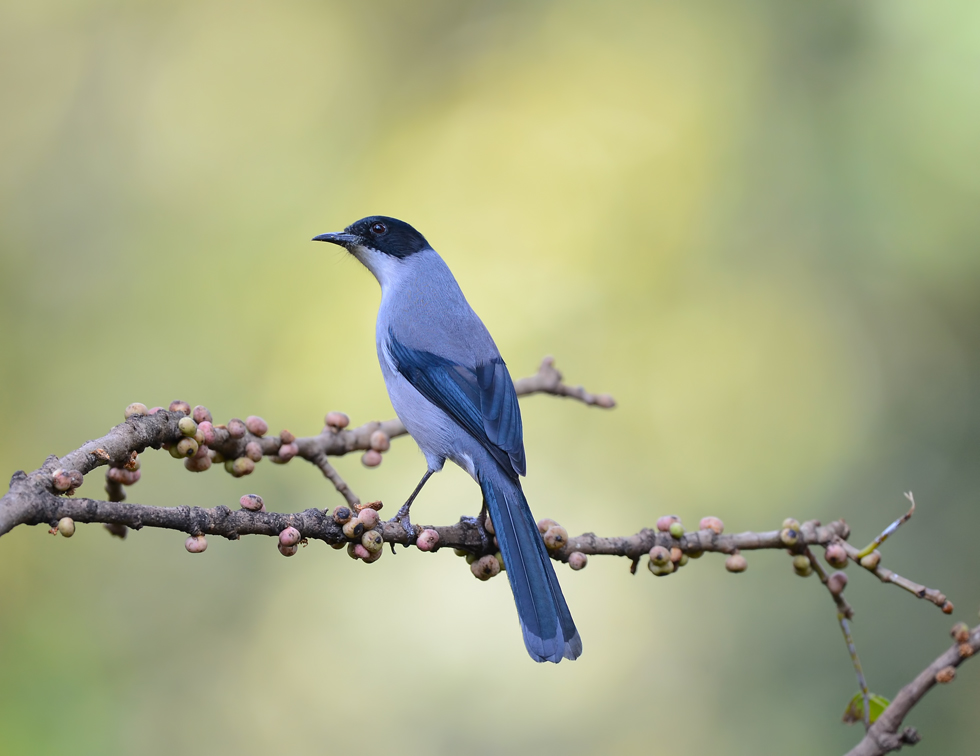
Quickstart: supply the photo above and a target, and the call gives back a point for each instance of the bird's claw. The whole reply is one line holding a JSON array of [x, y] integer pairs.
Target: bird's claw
[[402, 519]]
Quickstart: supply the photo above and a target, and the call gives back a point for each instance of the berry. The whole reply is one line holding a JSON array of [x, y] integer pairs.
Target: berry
[[287, 551], [789, 536], [676, 529], [236, 428], [153, 411], [341, 515], [187, 426], [736, 563], [789, 522], [380, 441], [201, 414], [61, 480], [77, 478], [372, 540], [485, 567], [683, 560], [871, 560], [837, 582], [659, 556], [488, 526], [947, 608], [290, 536], [368, 518], [675, 554], [337, 420], [196, 544], [802, 566], [253, 451], [836, 555], [428, 539], [577, 560], [136, 408], [288, 451], [555, 538], [374, 556], [545, 524], [66, 526], [198, 464], [186, 447], [713, 524], [660, 569], [664, 523], [354, 529], [178, 406], [252, 502], [242, 466], [286, 437], [360, 552], [371, 458], [256, 425], [174, 452]]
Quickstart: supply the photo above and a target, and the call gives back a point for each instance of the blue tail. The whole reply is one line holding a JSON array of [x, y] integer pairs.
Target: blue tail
[[549, 632]]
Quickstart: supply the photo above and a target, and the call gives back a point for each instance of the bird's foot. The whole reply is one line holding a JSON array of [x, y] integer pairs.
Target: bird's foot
[[402, 519]]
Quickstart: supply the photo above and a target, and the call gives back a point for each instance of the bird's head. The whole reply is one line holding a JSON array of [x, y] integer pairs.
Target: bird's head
[[378, 235]]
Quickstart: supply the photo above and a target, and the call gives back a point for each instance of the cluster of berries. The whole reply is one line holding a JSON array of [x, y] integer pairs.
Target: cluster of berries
[[360, 524], [665, 561], [379, 441]]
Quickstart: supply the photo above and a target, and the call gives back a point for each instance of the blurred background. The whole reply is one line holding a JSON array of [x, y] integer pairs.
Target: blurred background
[[755, 224]]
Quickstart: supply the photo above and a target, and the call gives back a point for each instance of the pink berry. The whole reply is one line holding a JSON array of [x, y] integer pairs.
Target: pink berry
[[713, 524], [178, 406], [196, 544], [360, 552], [555, 538], [368, 518], [837, 582], [61, 480], [736, 563], [154, 410], [380, 441], [236, 428], [206, 429], [256, 425], [136, 408], [252, 502], [428, 539], [371, 458], [836, 555], [201, 414], [577, 560], [288, 451], [197, 463], [290, 536], [664, 523], [253, 450], [287, 551], [337, 420]]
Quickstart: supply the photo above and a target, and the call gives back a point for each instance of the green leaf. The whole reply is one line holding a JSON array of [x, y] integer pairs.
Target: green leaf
[[855, 708]]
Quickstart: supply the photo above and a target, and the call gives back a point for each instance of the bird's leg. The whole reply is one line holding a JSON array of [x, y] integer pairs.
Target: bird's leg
[[402, 517]]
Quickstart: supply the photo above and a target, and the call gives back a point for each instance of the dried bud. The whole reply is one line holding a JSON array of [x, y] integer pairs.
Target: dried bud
[[545, 525], [871, 560], [485, 567], [252, 502], [371, 458], [791, 523], [555, 538], [577, 560], [368, 518], [789, 536], [428, 539], [946, 674], [201, 414], [372, 540], [287, 551], [837, 582], [186, 447], [380, 441], [713, 524], [178, 406], [960, 632], [66, 526], [736, 563], [341, 515], [664, 523], [253, 451], [61, 480], [354, 530], [242, 466], [288, 451], [947, 607], [836, 555], [676, 529], [236, 428], [290, 536], [659, 556], [802, 566], [256, 425], [133, 464], [965, 650], [286, 437], [187, 426], [195, 544], [337, 420], [136, 408]]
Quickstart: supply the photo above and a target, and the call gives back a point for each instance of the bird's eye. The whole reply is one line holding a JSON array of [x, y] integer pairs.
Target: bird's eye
[[378, 228]]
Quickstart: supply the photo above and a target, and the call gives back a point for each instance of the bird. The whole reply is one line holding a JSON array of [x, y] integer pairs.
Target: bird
[[453, 393]]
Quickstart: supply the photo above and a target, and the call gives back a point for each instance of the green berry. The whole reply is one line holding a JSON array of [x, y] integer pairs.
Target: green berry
[[187, 426], [789, 522], [676, 529], [186, 447], [802, 566], [372, 540], [242, 466], [789, 536]]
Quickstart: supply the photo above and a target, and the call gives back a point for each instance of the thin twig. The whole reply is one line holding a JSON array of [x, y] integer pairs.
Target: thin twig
[[889, 530]]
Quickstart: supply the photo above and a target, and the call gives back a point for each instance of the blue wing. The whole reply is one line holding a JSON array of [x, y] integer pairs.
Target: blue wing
[[481, 398]]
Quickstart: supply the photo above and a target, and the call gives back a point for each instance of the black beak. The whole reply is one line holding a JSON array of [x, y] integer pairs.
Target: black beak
[[344, 240]]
